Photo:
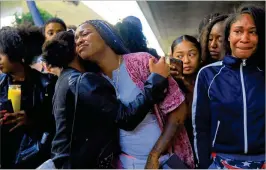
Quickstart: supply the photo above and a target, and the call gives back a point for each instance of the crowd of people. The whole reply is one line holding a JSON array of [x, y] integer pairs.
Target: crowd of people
[[96, 96]]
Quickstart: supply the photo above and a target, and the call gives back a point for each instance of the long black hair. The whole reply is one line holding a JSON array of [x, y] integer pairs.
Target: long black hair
[[258, 15], [132, 35], [130, 30]]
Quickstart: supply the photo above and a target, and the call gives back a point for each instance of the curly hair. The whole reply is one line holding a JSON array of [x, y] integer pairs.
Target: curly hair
[[18, 43], [204, 38], [258, 15], [60, 51], [33, 40]]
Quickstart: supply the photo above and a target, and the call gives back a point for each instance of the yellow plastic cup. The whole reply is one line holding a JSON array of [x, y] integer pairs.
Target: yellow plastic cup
[[14, 94]]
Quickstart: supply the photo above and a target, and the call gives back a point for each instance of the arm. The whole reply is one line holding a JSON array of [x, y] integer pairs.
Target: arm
[[201, 122], [175, 118], [96, 93], [99, 94]]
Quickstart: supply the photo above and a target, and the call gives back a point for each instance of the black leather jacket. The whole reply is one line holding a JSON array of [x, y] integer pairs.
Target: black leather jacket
[[98, 116], [36, 101]]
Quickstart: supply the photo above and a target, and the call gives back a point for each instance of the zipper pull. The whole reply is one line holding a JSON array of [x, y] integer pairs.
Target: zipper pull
[[244, 62]]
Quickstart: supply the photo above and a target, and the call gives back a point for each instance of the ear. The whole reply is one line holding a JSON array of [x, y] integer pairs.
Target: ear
[[228, 38]]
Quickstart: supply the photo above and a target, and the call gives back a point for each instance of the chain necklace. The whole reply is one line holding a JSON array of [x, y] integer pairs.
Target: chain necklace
[[117, 78]]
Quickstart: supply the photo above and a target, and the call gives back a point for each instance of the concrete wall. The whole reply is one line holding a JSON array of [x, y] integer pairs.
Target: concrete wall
[[170, 19]]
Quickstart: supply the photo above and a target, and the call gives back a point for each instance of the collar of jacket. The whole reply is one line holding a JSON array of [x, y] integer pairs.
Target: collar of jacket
[[236, 62], [31, 75]]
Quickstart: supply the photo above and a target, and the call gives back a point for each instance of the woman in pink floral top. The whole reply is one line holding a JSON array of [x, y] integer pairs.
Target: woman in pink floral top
[[162, 131]]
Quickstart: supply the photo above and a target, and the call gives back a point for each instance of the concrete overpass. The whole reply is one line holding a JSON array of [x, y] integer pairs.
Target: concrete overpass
[[170, 19], [167, 19]]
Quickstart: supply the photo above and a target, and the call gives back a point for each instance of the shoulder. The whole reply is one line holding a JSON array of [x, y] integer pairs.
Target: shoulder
[[93, 79], [94, 83], [137, 56], [2, 76], [211, 69], [137, 61]]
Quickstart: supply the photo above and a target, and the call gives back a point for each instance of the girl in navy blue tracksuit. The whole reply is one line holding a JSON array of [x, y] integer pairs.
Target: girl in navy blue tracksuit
[[228, 110]]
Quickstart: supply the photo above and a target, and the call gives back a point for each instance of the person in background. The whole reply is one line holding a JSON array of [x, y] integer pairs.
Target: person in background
[[212, 40], [130, 30], [52, 27], [187, 49], [97, 97], [205, 21], [49, 30], [228, 109], [34, 116], [162, 128]]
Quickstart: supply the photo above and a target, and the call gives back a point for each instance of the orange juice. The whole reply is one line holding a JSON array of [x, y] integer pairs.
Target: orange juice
[[14, 94]]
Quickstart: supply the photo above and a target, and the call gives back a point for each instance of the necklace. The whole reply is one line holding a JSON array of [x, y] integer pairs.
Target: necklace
[[117, 78]]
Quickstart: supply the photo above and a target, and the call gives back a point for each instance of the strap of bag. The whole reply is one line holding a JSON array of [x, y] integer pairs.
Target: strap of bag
[[75, 110]]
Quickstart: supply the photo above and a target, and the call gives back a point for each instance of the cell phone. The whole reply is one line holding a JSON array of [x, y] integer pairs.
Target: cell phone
[[174, 162], [177, 63]]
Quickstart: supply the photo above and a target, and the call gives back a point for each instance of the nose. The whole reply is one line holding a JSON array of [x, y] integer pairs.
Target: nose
[[79, 40], [185, 59], [245, 37], [213, 43]]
